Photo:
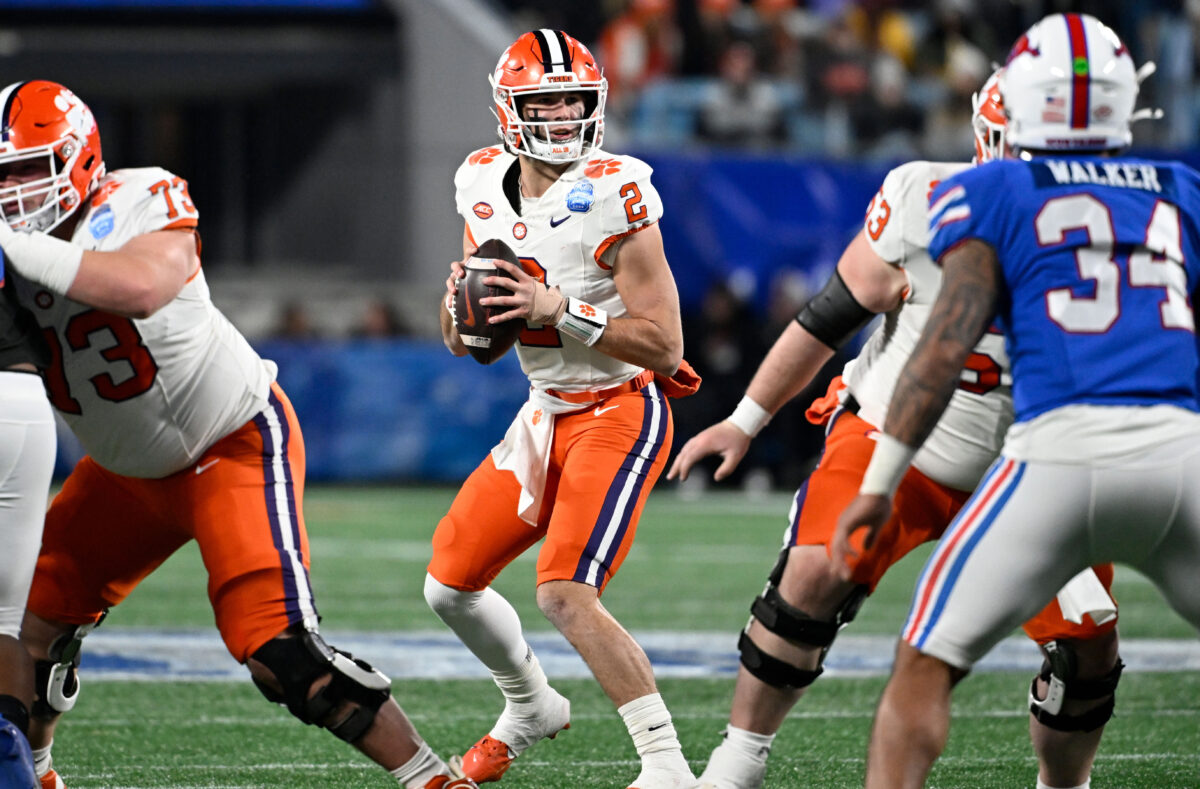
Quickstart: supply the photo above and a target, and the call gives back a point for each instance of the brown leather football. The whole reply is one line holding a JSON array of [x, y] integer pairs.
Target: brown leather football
[[486, 342]]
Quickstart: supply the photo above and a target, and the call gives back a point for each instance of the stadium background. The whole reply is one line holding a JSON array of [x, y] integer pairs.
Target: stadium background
[[319, 138]]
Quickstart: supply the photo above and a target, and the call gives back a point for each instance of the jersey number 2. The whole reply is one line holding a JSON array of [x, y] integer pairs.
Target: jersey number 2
[[542, 336], [129, 348]]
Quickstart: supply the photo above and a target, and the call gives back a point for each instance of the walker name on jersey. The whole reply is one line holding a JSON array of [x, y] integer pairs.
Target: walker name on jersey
[[1054, 172]]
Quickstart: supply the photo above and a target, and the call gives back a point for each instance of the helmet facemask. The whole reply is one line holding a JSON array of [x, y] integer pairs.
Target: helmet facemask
[[987, 121], [532, 137], [58, 196]]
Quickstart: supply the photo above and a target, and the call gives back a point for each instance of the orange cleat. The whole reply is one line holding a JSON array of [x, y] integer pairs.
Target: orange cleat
[[51, 781]]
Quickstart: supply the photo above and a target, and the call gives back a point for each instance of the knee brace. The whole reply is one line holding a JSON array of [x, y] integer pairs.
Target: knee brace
[[299, 661], [1060, 670], [785, 620], [57, 679]]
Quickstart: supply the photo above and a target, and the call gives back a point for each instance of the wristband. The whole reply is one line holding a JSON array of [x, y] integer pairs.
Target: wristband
[[41, 258], [585, 322], [749, 417], [889, 462]]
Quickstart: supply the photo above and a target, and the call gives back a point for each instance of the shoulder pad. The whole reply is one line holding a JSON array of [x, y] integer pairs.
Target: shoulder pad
[[150, 198], [491, 162]]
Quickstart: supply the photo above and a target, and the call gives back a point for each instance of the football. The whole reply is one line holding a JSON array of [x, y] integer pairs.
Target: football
[[485, 341]]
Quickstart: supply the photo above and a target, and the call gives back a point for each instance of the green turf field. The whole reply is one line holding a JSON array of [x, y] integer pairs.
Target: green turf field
[[696, 566]]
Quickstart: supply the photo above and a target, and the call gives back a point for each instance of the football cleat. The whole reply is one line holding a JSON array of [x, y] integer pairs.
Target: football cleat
[[51, 781], [661, 778], [449, 782], [519, 727]]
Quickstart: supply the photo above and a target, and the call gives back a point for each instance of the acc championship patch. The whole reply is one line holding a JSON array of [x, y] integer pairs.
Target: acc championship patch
[[581, 197], [102, 222]]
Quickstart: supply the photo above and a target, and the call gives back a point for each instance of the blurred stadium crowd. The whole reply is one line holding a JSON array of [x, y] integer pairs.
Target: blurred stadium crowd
[[874, 79]]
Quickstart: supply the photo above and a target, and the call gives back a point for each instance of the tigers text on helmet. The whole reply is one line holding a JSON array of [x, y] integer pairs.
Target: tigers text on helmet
[[988, 121], [45, 126], [1069, 85], [548, 62]]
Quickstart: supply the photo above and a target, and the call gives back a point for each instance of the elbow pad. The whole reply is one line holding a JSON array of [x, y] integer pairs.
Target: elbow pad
[[833, 316]]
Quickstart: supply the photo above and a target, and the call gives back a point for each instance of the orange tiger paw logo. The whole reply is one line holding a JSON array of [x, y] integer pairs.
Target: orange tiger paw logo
[[587, 311], [601, 167], [537, 416], [485, 156]]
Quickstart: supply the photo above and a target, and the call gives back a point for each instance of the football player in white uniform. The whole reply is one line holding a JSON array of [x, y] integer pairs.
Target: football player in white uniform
[[886, 269], [187, 437], [602, 349], [27, 451]]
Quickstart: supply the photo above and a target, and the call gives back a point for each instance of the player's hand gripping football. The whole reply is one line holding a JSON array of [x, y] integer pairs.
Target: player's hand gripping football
[[530, 299], [458, 270], [868, 511], [724, 439]]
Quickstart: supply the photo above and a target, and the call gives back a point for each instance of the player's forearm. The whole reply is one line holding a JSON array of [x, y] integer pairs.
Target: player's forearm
[[127, 285], [964, 308], [791, 364], [643, 342]]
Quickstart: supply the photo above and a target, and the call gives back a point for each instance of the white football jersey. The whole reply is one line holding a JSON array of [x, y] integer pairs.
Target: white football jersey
[[147, 397], [968, 437], [567, 237]]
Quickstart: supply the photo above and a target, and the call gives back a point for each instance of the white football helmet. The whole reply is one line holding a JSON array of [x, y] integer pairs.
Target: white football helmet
[[548, 61], [1069, 85]]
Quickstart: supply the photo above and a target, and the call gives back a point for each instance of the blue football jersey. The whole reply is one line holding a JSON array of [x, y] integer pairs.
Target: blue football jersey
[[1100, 258]]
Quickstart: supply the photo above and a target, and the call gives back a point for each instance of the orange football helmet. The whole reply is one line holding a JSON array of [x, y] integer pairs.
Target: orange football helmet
[[43, 121], [988, 120], [548, 61]]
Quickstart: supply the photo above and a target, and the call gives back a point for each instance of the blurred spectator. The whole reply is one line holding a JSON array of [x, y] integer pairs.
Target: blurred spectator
[[886, 124], [722, 343], [380, 320], [707, 29], [841, 65], [948, 134], [636, 47], [780, 24], [294, 323], [743, 107]]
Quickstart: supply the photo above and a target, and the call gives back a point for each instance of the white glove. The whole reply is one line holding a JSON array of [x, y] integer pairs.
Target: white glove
[[41, 258]]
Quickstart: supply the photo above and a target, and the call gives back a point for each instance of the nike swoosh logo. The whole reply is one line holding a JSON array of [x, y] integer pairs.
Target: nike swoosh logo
[[207, 466], [659, 726], [469, 321], [556, 222], [600, 410]]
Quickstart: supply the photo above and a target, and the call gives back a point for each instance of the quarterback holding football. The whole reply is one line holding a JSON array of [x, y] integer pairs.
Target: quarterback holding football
[[602, 347]]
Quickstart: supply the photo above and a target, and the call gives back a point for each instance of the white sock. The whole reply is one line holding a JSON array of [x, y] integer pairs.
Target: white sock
[[739, 760], [748, 744], [1085, 785], [522, 684], [649, 724], [41, 760], [420, 769], [485, 622]]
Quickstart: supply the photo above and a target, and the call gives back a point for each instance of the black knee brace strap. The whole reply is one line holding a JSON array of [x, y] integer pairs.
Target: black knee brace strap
[[782, 619], [1059, 671], [299, 661], [773, 671]]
